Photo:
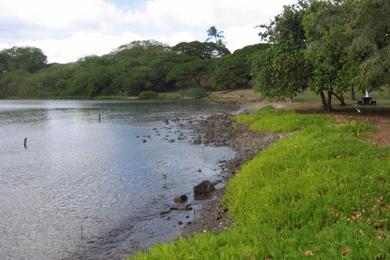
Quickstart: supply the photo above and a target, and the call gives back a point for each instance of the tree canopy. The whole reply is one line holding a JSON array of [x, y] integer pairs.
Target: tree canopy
[[328, 46], [128, 70]]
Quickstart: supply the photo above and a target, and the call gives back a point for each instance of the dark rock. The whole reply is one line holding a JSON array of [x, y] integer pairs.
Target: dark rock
[[171, 140], [166, 121], [180, 223], [203, 190], [181, 199], [144, 141], [197, 141], [199, 170]]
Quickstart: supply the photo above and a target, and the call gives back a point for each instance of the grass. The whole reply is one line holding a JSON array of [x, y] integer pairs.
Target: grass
[[324, 191], [273, 120]]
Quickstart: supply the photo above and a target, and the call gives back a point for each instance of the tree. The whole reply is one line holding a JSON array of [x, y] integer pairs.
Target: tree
[[371, 43], [280, 71], [326, 50], [189, 74], [201, 50], [213, 33], [235, 71], [26, 58]]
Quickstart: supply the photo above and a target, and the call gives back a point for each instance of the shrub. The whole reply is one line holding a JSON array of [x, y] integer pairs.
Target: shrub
[[148, 95], [196, 93]]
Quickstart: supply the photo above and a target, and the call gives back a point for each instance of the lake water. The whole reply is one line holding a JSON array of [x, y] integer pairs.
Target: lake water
[[89, 190]]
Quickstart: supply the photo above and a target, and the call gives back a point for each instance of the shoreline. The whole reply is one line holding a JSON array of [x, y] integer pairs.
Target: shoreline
[[217, 131]]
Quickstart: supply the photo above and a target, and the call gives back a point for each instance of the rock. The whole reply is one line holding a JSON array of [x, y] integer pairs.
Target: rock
[[181, 199], [144, 141], [197, 141], [216, 182], [203, 190], [180, 223], [199, 170], [166, 121], [171, 140]]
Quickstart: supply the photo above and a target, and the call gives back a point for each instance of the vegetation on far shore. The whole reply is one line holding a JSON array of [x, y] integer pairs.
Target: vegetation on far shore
[[331, 47], [322, 192]]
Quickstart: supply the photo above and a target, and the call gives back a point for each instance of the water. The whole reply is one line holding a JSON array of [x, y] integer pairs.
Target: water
[[94, 191]]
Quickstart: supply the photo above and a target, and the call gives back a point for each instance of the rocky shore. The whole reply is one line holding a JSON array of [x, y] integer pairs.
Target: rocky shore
[[222, 130]]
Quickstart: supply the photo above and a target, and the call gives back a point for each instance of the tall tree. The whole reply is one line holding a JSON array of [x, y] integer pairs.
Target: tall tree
[[218, 36], [280, 71], [24, 58]]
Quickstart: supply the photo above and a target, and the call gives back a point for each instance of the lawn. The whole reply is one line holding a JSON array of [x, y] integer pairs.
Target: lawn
[[322, 192]]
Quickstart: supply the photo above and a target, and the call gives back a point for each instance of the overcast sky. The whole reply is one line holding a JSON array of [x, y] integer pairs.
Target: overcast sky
[[69, 29]]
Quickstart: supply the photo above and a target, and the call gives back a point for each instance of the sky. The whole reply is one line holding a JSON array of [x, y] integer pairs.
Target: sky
[[67, 30]]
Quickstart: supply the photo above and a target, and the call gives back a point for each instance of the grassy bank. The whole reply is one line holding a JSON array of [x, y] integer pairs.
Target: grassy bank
[[322, 192]]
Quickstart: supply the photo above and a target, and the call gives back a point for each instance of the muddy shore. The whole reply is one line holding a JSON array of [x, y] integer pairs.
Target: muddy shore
[[222, 130]]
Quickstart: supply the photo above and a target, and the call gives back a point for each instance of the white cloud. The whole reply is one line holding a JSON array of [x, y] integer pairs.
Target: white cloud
[[68, 30]]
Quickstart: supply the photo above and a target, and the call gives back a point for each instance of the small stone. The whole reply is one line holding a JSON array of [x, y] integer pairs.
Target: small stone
[[308, 253], [180, 223], [181, 199], [144, 141], [346, 251]]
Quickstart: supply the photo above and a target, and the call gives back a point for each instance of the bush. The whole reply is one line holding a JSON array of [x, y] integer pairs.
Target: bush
[[148, 95], [195, 93]]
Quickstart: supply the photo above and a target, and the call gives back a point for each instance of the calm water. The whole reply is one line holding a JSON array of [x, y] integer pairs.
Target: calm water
[[87, 190]]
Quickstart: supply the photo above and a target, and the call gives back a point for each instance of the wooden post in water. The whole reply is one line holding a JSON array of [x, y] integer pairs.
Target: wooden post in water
[[100, 117], [81, 233], [25, 142]]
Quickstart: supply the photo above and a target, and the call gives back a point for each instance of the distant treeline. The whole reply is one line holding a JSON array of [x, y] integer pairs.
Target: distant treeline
[[329, 46], [127, 71]]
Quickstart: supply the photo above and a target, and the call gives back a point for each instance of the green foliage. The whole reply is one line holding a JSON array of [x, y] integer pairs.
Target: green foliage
[[195, 93], [322, 190], [22, 58], [148, 95], [169, 96], [213, 33], [201, 50], [128, 70], [280, 71], [189, 74], [234, 71], [274, 120], [345, 45]]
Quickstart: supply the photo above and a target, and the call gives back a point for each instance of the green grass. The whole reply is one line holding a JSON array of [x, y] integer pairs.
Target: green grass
[[273, 120], [323, 189], [169, 96]]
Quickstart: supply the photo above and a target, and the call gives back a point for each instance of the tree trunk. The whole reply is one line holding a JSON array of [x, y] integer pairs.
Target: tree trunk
[[329, 101], [340, 98], [353, 93], [323, 100], [198, 82]]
